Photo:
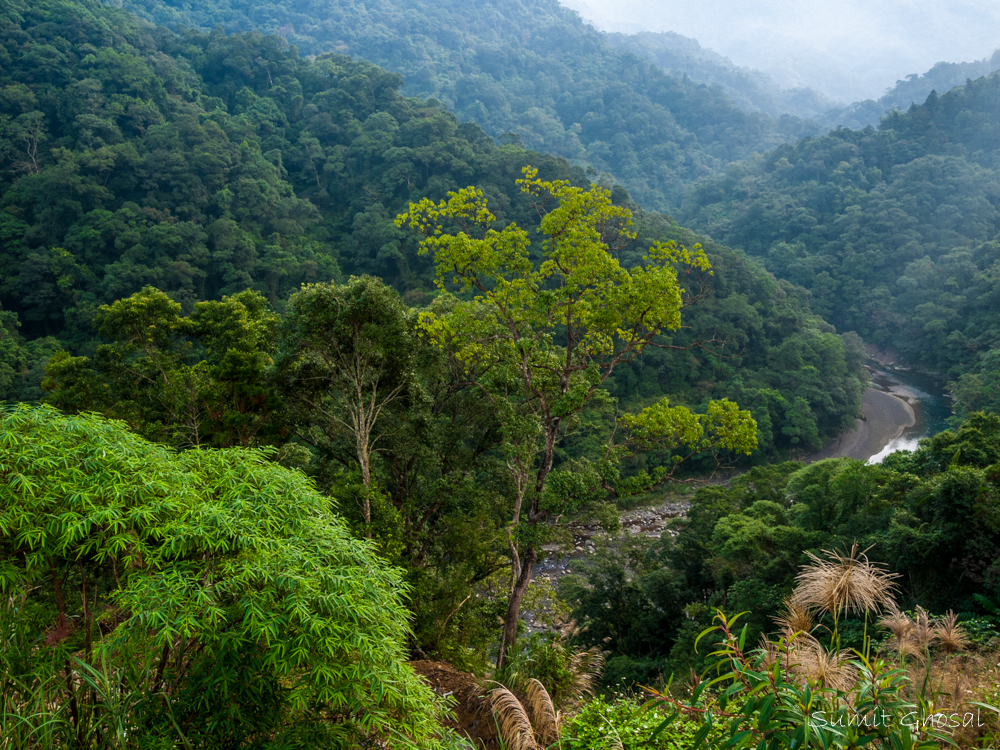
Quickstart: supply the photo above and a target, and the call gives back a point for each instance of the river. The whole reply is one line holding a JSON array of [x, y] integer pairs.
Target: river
[[926, 397], [898, 410]]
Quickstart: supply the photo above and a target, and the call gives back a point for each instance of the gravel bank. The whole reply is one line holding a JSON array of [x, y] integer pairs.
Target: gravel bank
[[885, 418]]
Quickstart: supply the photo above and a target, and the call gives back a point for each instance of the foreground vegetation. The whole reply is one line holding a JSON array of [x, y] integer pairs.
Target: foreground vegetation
[[929, 517], [209, 598]]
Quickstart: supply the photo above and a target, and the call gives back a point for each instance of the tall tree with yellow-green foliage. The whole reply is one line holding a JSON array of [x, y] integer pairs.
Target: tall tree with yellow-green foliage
[[540, 339]]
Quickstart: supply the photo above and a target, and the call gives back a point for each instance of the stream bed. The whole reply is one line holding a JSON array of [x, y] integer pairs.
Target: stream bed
[[925, 395]]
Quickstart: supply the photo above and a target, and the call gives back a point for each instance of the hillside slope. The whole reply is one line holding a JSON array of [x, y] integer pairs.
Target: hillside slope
[[205, 164], [751, 90], [755, 91], [527, 67], [893, 231], [914, 89]]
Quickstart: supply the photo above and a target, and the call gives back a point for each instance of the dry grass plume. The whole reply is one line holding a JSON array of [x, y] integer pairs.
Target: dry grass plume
[[545, 719], [845, 582], [512, 720], [950, 635], [827, 668]]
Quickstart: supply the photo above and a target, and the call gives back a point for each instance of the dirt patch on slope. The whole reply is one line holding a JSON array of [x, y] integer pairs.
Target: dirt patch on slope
[[472, 716]]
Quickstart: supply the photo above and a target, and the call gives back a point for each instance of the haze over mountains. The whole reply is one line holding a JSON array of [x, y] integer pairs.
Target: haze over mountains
[[755, 91], [750, 89], [849, 50]]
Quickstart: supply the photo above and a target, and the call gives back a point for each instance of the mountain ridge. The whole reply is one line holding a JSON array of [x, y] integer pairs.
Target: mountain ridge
[[752, 90], [913, 89]]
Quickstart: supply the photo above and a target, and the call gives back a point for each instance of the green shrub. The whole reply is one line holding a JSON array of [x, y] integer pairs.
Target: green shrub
[[981, 631], [627, 671], [602, 724], [207, 596]]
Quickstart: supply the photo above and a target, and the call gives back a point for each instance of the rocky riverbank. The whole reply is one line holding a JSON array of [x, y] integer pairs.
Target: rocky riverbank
[[648, 520], [886, 417]]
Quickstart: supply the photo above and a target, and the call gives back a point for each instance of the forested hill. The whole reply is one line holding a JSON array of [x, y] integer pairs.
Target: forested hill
[[528, 67], [206, 164], [751, 90], [893, 231], [913, 89]]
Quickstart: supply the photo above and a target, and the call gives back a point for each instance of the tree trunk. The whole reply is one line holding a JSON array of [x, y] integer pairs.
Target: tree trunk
[[509, 640], [366, 479]]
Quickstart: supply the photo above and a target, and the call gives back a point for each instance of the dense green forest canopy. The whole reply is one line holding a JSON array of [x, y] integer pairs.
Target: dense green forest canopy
[[427, 482], [893, 231], [258, 169], [206, 164], [533, 69], [252, 167]]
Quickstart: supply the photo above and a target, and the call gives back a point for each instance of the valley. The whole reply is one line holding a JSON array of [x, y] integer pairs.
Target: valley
[[358, 356]]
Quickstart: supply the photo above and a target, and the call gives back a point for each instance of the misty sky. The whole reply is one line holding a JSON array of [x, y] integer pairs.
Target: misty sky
[[848, 49]]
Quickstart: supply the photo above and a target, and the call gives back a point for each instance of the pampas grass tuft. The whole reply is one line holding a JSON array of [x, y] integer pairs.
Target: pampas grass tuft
[[923, 633], [845, 582], [512, 720], [830, 669], [796, 618], [950, 635], [545, 719]]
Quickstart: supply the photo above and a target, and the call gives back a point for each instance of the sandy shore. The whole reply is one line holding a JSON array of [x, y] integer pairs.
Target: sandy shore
[[885, 418]]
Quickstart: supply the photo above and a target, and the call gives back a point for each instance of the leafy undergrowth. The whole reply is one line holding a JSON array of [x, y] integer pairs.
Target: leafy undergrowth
[[620, 722]]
